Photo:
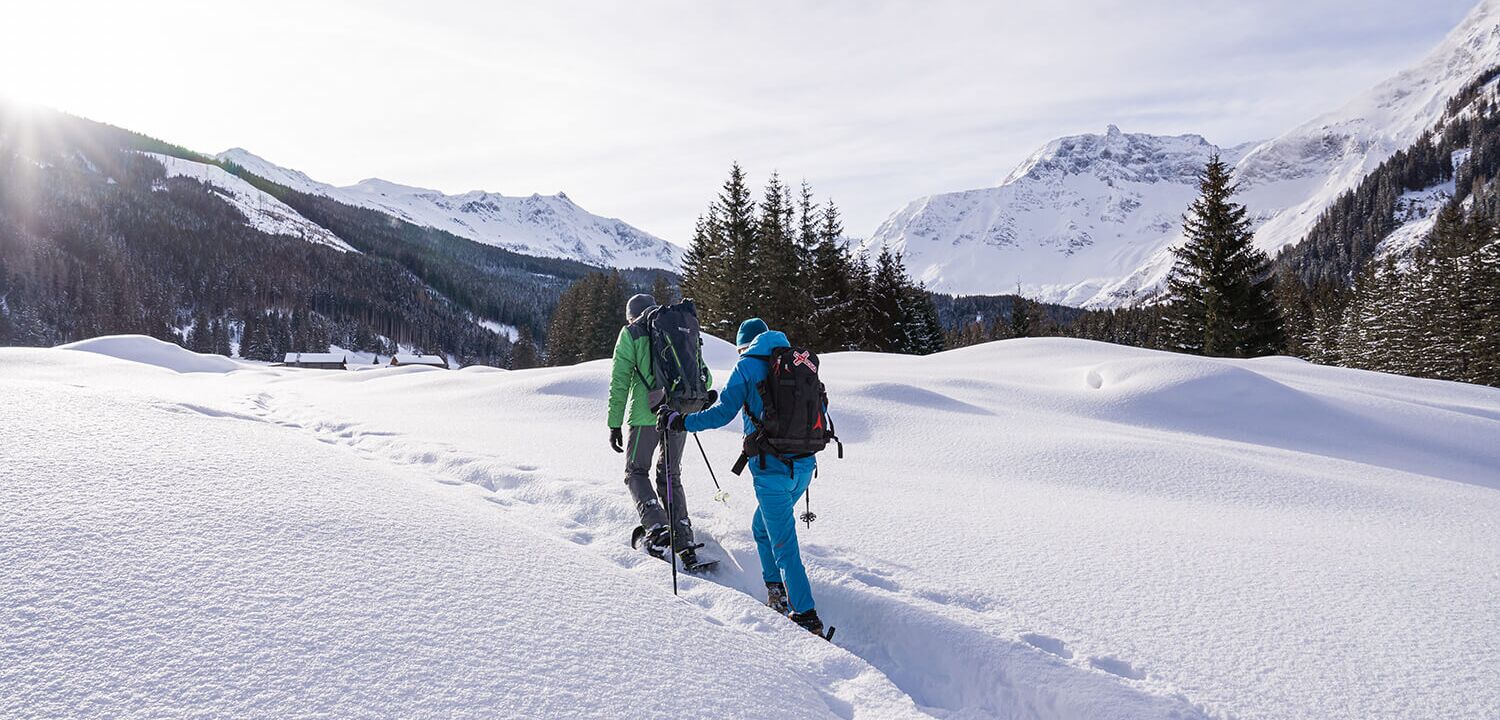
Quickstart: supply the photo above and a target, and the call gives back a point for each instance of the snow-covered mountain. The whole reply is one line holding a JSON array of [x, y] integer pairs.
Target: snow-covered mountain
[[1089, 220], [542, 225], [1114, 533], [262, 211], [1062, 224]]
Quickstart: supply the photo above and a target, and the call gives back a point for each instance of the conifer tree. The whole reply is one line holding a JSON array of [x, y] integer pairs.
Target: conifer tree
[[887, 284], [200, 337], [523, 352], [1220, 289], [587, 320], [220, 333], [704, 272], [861, 329], [779, 299], [836, 313], [662, 291], [1022, 317], [740, 283]]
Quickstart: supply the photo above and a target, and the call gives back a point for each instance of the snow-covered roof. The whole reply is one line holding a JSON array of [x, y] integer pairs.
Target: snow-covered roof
[[418, 360], [315, 358]]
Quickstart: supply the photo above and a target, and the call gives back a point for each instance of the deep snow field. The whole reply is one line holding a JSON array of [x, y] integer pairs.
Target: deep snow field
[[1035, 528]]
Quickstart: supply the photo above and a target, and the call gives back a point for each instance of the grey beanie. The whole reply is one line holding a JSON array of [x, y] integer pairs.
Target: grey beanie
[[637, 306]]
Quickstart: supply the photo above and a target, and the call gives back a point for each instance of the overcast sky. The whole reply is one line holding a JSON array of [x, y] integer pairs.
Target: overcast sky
[[636, 109]]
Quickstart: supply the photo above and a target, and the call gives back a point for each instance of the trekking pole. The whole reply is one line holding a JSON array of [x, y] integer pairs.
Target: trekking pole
[[719, 496], [809, 516], [666, 454]]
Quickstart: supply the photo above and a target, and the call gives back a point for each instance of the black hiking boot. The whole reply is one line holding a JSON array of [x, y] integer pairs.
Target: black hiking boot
[[776, 597], [809, 622], [658, 541]]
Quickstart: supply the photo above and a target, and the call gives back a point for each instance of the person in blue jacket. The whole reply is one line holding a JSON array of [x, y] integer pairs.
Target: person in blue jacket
[[777, 486]]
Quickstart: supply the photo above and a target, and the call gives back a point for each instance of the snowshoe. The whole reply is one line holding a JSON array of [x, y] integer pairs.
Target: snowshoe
[[810, 622], [691, 563], [776, 597]]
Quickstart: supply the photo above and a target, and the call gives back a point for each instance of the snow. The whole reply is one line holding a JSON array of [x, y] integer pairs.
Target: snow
[[510, 332], [262, 211], [328, 357], [1416, 215], [150, 351], [1040, 528], [1078, 210], [404, 359], [1090, 220], [542, 225]]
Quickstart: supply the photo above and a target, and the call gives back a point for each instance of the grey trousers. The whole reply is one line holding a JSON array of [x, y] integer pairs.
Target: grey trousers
[[650, 500]]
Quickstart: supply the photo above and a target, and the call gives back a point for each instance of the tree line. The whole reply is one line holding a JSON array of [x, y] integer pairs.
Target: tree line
[[784, 259]]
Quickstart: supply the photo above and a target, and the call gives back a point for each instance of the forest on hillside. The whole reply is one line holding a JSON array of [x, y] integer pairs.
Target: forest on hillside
[[95, 239]]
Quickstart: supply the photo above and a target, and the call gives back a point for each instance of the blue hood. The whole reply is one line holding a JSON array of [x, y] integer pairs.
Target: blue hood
[[766, 342]]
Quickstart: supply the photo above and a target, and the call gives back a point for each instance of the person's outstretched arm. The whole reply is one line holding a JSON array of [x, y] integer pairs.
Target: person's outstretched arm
[[731, 399]]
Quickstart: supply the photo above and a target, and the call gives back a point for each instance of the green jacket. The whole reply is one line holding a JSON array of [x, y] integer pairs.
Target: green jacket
[[632, 362]]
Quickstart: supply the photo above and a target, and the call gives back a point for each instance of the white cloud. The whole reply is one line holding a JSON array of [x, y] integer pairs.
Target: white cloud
[[636, 109]]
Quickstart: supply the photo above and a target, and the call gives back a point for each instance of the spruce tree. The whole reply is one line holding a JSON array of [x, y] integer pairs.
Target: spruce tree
[[661, 290], [862, 320], [1022, 317], [836, 313], [200, 337], [887, 318], [704, 274], [523, 352], [741, 285], [221, 338], [1220, 289]]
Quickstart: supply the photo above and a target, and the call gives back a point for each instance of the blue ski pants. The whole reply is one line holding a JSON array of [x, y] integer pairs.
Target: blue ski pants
[[777, 489]]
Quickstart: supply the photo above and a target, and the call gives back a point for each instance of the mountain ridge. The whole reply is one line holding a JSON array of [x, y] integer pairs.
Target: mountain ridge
[[541, 225], [1287, 183]]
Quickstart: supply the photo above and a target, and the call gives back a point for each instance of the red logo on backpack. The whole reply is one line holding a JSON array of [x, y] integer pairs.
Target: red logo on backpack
[[804, 358]]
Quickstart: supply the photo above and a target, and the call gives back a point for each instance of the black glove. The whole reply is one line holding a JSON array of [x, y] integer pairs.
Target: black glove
[[713, 397], [617, 440], [669, 419]]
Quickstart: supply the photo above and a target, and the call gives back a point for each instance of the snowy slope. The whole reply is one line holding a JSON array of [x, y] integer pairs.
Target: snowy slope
[[261, 211], [545, 225], [1043, 529], [1083, 242]]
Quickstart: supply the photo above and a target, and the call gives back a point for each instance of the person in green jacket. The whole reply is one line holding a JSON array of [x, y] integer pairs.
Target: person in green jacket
[[630, 384]]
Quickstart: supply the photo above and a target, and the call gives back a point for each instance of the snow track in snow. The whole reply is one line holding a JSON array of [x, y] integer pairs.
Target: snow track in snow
[[944, 666]]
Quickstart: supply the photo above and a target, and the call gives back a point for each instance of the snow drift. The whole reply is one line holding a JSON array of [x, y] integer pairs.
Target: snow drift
[[150, 351], [1025, 529]]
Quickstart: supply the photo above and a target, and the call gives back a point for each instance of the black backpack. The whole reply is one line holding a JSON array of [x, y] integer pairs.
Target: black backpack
[[676, 357], [795, 422]]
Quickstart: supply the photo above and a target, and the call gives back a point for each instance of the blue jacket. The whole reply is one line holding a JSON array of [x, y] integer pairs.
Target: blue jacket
[[741, 391]]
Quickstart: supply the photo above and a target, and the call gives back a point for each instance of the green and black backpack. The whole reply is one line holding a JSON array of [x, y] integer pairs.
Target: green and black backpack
[[676, 357]]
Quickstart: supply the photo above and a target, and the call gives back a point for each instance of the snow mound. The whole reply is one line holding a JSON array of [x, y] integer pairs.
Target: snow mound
[[719, 353], [150, 351]]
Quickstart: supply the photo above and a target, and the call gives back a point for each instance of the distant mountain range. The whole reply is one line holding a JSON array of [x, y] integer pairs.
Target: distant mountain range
[[1088, 220], [540, 225]]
